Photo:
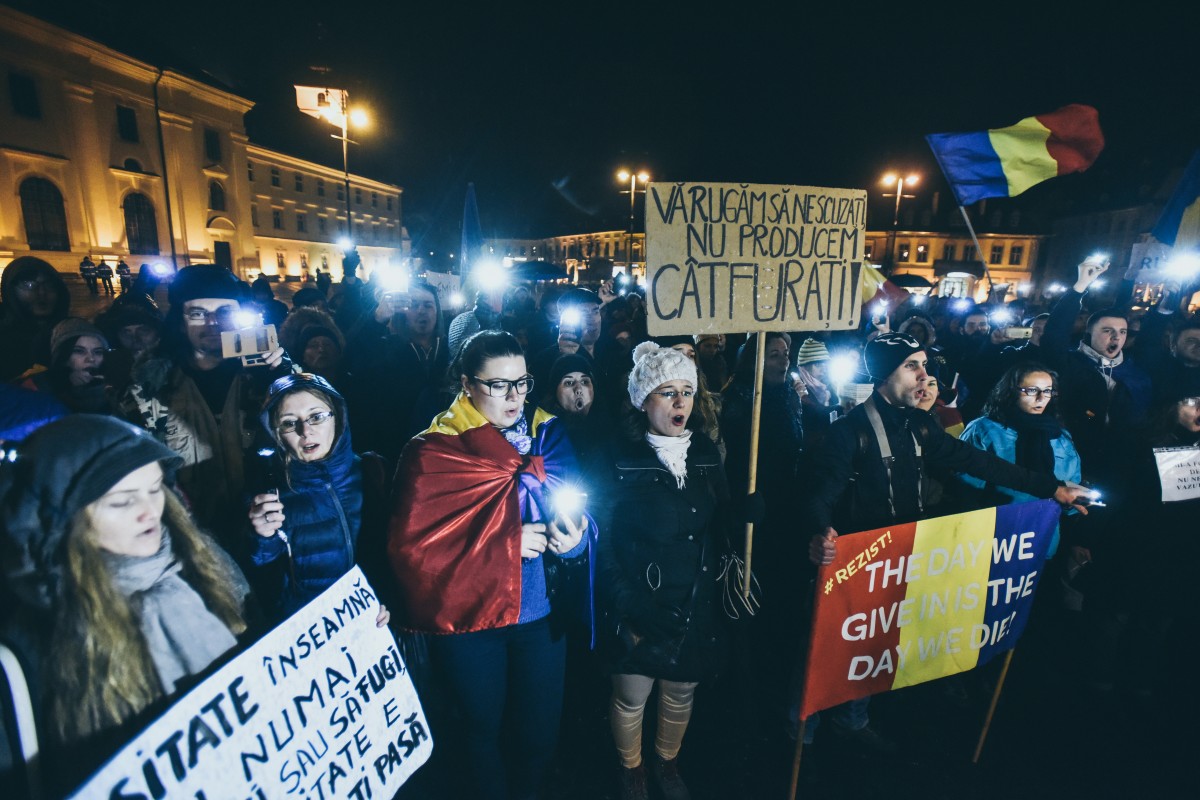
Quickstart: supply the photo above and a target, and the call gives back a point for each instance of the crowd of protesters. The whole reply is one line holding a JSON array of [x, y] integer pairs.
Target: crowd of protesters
[[546, 497]]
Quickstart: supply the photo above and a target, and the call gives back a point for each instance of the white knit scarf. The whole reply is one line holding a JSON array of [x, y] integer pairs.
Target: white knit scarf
[[672, 452]]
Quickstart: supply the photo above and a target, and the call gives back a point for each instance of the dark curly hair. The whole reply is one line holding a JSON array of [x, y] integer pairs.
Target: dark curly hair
[[1001, 404]]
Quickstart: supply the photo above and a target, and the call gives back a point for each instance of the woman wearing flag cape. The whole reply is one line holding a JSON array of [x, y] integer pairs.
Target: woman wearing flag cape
[[488, 516]]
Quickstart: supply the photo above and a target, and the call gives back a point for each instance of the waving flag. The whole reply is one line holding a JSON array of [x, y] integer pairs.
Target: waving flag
[[1179, 224], [1003, 162], [910, 603]]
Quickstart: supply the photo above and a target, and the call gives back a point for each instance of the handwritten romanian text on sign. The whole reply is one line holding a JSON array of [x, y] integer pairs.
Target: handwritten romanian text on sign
[[1178, 472], [727, 257], [322, 707]]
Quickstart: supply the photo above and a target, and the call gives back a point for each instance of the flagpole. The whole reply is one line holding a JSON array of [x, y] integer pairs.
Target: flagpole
[[978, 250], [987, 723], [755, 422], [796, 761]]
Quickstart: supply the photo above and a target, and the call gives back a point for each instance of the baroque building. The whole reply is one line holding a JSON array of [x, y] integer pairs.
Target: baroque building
[[105, 155]]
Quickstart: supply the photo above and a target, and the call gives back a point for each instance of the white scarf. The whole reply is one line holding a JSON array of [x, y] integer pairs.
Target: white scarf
[[672, 452]]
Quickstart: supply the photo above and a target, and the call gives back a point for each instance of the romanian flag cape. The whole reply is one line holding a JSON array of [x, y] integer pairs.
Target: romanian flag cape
[[455, 535], [1179, 224], [1003, 162], [910, 603]]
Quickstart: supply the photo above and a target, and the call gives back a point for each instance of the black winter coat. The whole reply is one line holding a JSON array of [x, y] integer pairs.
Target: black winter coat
[[851, 481], [652, 538]]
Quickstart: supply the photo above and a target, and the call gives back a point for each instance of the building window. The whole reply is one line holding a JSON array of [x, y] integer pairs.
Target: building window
[[320, 187], [301, 222], [254, 215], [45, 216], [141, 226], [997, 256], [374, 200], [216, 196], [275, 176], [923, 253], [280, 261], [949, 251], [375, 231], [127, 124], [1016, 254], [358, 197], [304, 261], [22, 91], [389, 203], [299, 182], [868, 251], [324, 261], [212, 145], [321, 223], [250, 171], [277, 219], [341, 193], [903, 250], [133, 165], [968, 252]]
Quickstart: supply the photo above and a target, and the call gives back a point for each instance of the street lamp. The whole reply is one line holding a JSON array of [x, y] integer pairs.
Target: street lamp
[[892, 179], [633, 179]]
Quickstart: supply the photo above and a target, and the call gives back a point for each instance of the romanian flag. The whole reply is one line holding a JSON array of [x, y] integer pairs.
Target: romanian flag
[[1179, 224], [454, 539], [876, 287], [1003, 162], [910, 603]]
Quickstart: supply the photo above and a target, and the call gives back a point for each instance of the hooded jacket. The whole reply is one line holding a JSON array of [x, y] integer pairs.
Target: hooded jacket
[[26, 338], [322, 506]]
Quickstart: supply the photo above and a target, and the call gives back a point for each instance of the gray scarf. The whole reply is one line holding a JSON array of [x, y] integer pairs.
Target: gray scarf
[[183, 636], [1105, 365]]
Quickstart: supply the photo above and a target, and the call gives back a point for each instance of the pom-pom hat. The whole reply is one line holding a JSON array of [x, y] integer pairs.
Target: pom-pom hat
[[653, 366]]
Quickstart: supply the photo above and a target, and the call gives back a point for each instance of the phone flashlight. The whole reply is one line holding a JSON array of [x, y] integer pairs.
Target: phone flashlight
[[568, 502]]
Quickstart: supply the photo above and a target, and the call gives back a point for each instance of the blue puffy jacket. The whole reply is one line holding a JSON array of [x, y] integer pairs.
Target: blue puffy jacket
[[323, 509], [989, 435]]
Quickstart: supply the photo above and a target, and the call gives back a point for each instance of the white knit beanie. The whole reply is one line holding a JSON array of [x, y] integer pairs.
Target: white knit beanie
[[653, 366]]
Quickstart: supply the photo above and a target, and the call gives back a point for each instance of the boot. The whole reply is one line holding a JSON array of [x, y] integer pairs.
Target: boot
[[670, 784], [633, 783]]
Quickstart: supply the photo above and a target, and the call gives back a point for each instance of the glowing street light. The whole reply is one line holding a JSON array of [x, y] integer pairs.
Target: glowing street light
[[633, 178], [893, 179]]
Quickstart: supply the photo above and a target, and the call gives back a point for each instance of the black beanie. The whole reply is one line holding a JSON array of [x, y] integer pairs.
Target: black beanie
[[204, 280], [60, 469], [886, 352], [565, 365]]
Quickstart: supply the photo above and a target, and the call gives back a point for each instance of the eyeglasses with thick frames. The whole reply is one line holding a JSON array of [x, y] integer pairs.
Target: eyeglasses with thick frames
[[200, 316], [1036, 391], [311, 421], [501, 388], [671, 394]]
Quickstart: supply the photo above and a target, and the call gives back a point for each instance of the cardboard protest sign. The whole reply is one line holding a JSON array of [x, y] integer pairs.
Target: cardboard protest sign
[[730, 257], [910, 603], [1147, 262], [321, 707], [1178, 472]]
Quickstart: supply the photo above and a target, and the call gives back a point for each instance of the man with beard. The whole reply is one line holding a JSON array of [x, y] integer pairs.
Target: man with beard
[[199, 403]]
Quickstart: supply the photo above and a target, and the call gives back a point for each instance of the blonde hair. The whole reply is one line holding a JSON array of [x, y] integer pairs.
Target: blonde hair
[[101, 670]]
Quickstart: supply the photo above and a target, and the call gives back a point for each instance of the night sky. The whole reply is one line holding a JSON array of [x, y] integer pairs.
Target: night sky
[[540, 107]]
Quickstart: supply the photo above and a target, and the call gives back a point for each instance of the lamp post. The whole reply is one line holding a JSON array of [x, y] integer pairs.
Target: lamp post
[[633, 179], [892, 179], [333, 105]]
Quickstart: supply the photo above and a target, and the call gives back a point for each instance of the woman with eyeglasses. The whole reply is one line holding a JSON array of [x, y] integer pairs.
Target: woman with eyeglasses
[[314, 515], [1021, 424], [665, 527], [488, 514]]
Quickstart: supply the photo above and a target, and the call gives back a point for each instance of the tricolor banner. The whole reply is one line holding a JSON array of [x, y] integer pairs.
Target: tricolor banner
[[910, 603]]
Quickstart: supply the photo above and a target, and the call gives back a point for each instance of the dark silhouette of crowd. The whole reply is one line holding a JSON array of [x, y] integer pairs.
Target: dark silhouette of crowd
[[550, 501]]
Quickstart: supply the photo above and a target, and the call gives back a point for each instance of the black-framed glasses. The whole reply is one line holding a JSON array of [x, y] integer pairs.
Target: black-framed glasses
[[501, 388], [200, 316], [1036, 391], [671, 394], [311, 421]]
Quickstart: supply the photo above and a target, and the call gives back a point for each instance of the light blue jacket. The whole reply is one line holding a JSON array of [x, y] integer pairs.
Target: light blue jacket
[[1000, 440]]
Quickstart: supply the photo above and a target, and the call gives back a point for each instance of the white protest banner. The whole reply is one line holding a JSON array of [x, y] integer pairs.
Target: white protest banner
[[321, 707], [1178, 472], [734, 257], [1147, 261], [445, 283]]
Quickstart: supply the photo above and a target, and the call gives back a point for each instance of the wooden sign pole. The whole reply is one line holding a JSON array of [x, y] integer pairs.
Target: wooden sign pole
[[987, 722], [755, 420]]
